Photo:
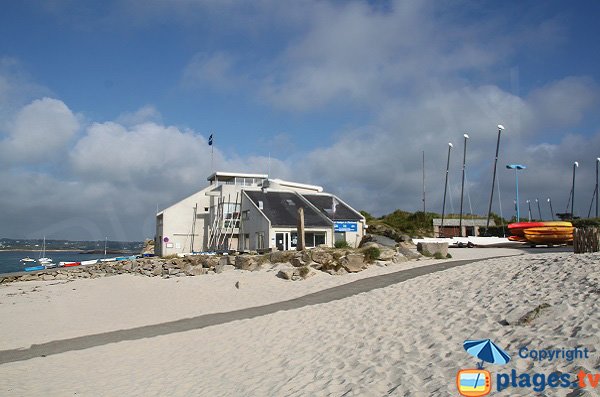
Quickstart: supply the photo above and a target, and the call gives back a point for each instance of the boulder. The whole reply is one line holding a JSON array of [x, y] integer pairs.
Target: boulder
[[321, 256], [127, 266], [287, 274], [408, 251], [353, 262], [196, 271], [156, 271], [280, 256], [47, 277], [297, 261], [387, 254], [433, 249], [220, 267], [399, 258], [246, 262]]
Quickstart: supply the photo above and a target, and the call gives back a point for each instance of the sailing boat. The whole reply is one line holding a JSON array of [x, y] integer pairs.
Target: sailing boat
[[47, 262]]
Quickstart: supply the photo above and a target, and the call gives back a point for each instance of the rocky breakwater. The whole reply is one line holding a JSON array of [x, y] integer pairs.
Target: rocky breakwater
[[292, 265]]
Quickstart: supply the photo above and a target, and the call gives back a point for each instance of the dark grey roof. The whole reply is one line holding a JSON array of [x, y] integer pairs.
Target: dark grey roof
[[282, 209], [325, 202]]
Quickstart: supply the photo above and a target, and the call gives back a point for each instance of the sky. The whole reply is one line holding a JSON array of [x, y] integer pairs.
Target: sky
[[106, 106]]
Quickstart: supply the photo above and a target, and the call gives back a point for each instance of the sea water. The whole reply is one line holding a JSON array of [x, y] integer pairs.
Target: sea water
[[10, 261]]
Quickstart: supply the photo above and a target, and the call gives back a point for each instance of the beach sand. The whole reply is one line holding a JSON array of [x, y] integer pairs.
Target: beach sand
[[405, 339]]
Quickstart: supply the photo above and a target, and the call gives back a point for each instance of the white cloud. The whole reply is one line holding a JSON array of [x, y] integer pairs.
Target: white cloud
[[39, 131]]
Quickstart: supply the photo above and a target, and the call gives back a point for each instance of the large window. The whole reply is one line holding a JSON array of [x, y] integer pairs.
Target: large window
[[314, 239]]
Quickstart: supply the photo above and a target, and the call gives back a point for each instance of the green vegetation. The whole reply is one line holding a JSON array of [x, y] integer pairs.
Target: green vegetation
[[371, 254], [583, 223], [342, 244]]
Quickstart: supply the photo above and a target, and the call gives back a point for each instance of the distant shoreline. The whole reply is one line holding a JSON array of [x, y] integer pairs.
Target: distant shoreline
[[80, 251]]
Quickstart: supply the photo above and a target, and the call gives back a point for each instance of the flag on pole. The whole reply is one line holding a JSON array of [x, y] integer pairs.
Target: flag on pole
[[210, 140]]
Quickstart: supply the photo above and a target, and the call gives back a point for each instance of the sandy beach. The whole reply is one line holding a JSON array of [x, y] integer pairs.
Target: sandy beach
[[404, 339]]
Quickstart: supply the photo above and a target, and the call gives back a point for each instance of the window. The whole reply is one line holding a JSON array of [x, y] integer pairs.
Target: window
[[260, 240], [246, 215], [313, 239]]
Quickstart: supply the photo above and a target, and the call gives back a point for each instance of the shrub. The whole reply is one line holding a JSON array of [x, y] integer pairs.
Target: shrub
[[584, 223], [371, 254], [438, 255], [448, 255], [342, 244]]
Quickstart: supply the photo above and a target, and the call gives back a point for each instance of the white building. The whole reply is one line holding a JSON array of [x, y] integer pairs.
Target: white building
[[252, 212]]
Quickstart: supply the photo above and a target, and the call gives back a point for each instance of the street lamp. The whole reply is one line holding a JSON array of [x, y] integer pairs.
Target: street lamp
[[551, 210], [450, 146], [539, 210], [597, 162], [529, 213], [517, 167], [575, 165], [462, 188], [487, 224]]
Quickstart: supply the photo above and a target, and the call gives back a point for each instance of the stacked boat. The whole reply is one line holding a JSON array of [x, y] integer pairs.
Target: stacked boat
[[543, 233]]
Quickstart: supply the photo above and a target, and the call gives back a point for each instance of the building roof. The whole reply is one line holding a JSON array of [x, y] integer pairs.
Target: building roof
[[231, 175], [282, 209], [324, 202], [296, 185], [465, 222]]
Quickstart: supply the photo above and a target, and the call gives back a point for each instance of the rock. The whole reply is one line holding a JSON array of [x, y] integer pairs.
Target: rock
[[287, 274], [47, 277], [211, 261], [353, 262], [224, 260], [197, 271], [387, 254], [371, 244], [173, 270], [280, 256], [220, 267], [408, 251], [246, 262], [337, 271], [297, 261], [157, 271], [61, 277], [433, 249], [399, 258], [127, 266], [237, 284], [321, 256], [28, 277]]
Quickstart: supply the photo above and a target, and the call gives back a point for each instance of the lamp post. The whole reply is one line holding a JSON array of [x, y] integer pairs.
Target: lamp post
[[539, 210], [450, 146], [517, 167], [487, 224], [597, 162], [575, 165], [462, 188], [529, 213], [551, 210]]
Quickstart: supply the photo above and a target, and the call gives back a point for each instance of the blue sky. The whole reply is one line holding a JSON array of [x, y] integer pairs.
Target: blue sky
[[106, 106]]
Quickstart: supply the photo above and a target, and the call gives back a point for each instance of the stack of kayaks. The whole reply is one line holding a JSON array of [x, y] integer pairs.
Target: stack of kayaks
[[544, 233]]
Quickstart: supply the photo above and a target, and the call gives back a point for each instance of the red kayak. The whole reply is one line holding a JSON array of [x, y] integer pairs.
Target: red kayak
[[518, 228], [71, 264]]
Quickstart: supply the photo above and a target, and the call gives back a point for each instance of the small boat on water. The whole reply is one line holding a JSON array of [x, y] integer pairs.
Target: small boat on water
[[90, 262], [27, 260], [34, 268], [70, 264]]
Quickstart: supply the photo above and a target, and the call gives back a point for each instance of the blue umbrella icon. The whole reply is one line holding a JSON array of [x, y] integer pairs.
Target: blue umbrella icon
[[486, 350]]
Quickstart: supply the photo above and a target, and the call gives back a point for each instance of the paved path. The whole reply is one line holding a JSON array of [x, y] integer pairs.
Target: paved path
[[207, 320]]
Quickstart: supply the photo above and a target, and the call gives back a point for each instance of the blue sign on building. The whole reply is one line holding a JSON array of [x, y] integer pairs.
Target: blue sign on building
[[345, 226]]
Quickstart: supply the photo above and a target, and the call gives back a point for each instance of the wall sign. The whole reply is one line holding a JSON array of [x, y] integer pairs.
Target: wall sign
[[345, 226]]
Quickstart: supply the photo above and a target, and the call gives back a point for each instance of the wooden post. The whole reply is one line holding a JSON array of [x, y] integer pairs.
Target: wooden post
[[586, 240], [300, 244]]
